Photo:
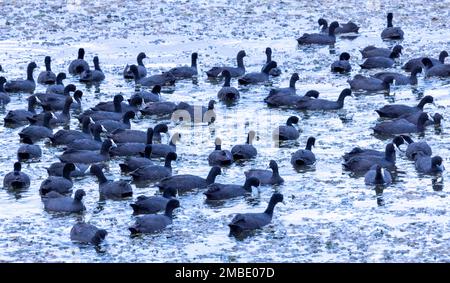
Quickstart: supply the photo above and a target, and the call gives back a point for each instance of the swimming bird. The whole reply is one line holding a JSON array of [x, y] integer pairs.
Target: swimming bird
[[94, 143], [228, 93], [218, 191], [154, 173], [245, 151], [111, 189], [58, 87], [377, 175], [16, 179], [242, 222], [111, 125], [304, 156], [258, 77], [132, 163], [88, 156], [439, 70], [400, 79], [47, 76], [416, 147], [349, 27], [62, 185], [427, 164], [288, 131], [266, 177], [153, 204], [28, 150], [320, 38], [160, 108], [36, 132], [361, 164], [360, 82], [134, 148], [163, 79], [67, 136], [61, 118], [128, 74], [195, 113], [357, 151], [397, 110], [78, 65], [187, 182], [380, 62], [111, 106], [323, 104], [20, 116], [274, 71], [391, 32], [219, 156], [289, 100], [186, 72], [151, 223], [234, 71], [286, 90], [150, 96], [96, 75], [56, 202], [20, 85], [87, 233], [342, 65], [417, 62], [161, 150], [57, 169], [4, 97], [372, 51], [401, 126]]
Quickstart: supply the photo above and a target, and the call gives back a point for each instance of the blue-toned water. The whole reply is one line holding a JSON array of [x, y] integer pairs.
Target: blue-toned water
[[329, 215]]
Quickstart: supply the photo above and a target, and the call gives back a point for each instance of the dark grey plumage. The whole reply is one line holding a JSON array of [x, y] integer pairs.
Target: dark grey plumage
[[266, 177]]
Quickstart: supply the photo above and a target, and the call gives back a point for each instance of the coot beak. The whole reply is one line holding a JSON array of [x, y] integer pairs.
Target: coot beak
[[113, 144]]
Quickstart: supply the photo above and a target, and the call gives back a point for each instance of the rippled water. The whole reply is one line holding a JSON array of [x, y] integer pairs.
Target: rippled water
[[329, 215]]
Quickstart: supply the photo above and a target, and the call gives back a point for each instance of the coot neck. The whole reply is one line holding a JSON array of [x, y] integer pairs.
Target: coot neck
[[194, 62], [270, 207], [66, 173], [292, 82], [48, 67], [240, 62], [379, 176], [101, 176], [227, 81], [211, 178], [140, 61], [30, 73]]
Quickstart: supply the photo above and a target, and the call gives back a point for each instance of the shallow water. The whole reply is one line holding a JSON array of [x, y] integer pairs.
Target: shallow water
[[329, 215]]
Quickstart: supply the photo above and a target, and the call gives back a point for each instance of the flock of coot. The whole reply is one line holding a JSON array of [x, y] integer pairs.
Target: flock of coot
[[105, 131]]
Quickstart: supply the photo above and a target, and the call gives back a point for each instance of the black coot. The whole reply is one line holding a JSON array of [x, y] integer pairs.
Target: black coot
[[47, 76], [249, 221], [186, 182], [218, 191], [111, 189], [186, 72], [56, 202], [234, 71], [219, 156], [152, 223], [87, 233], [78, 65], [304, 156], [266, 177], [245, 151], [16, 179], [20, 85]]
